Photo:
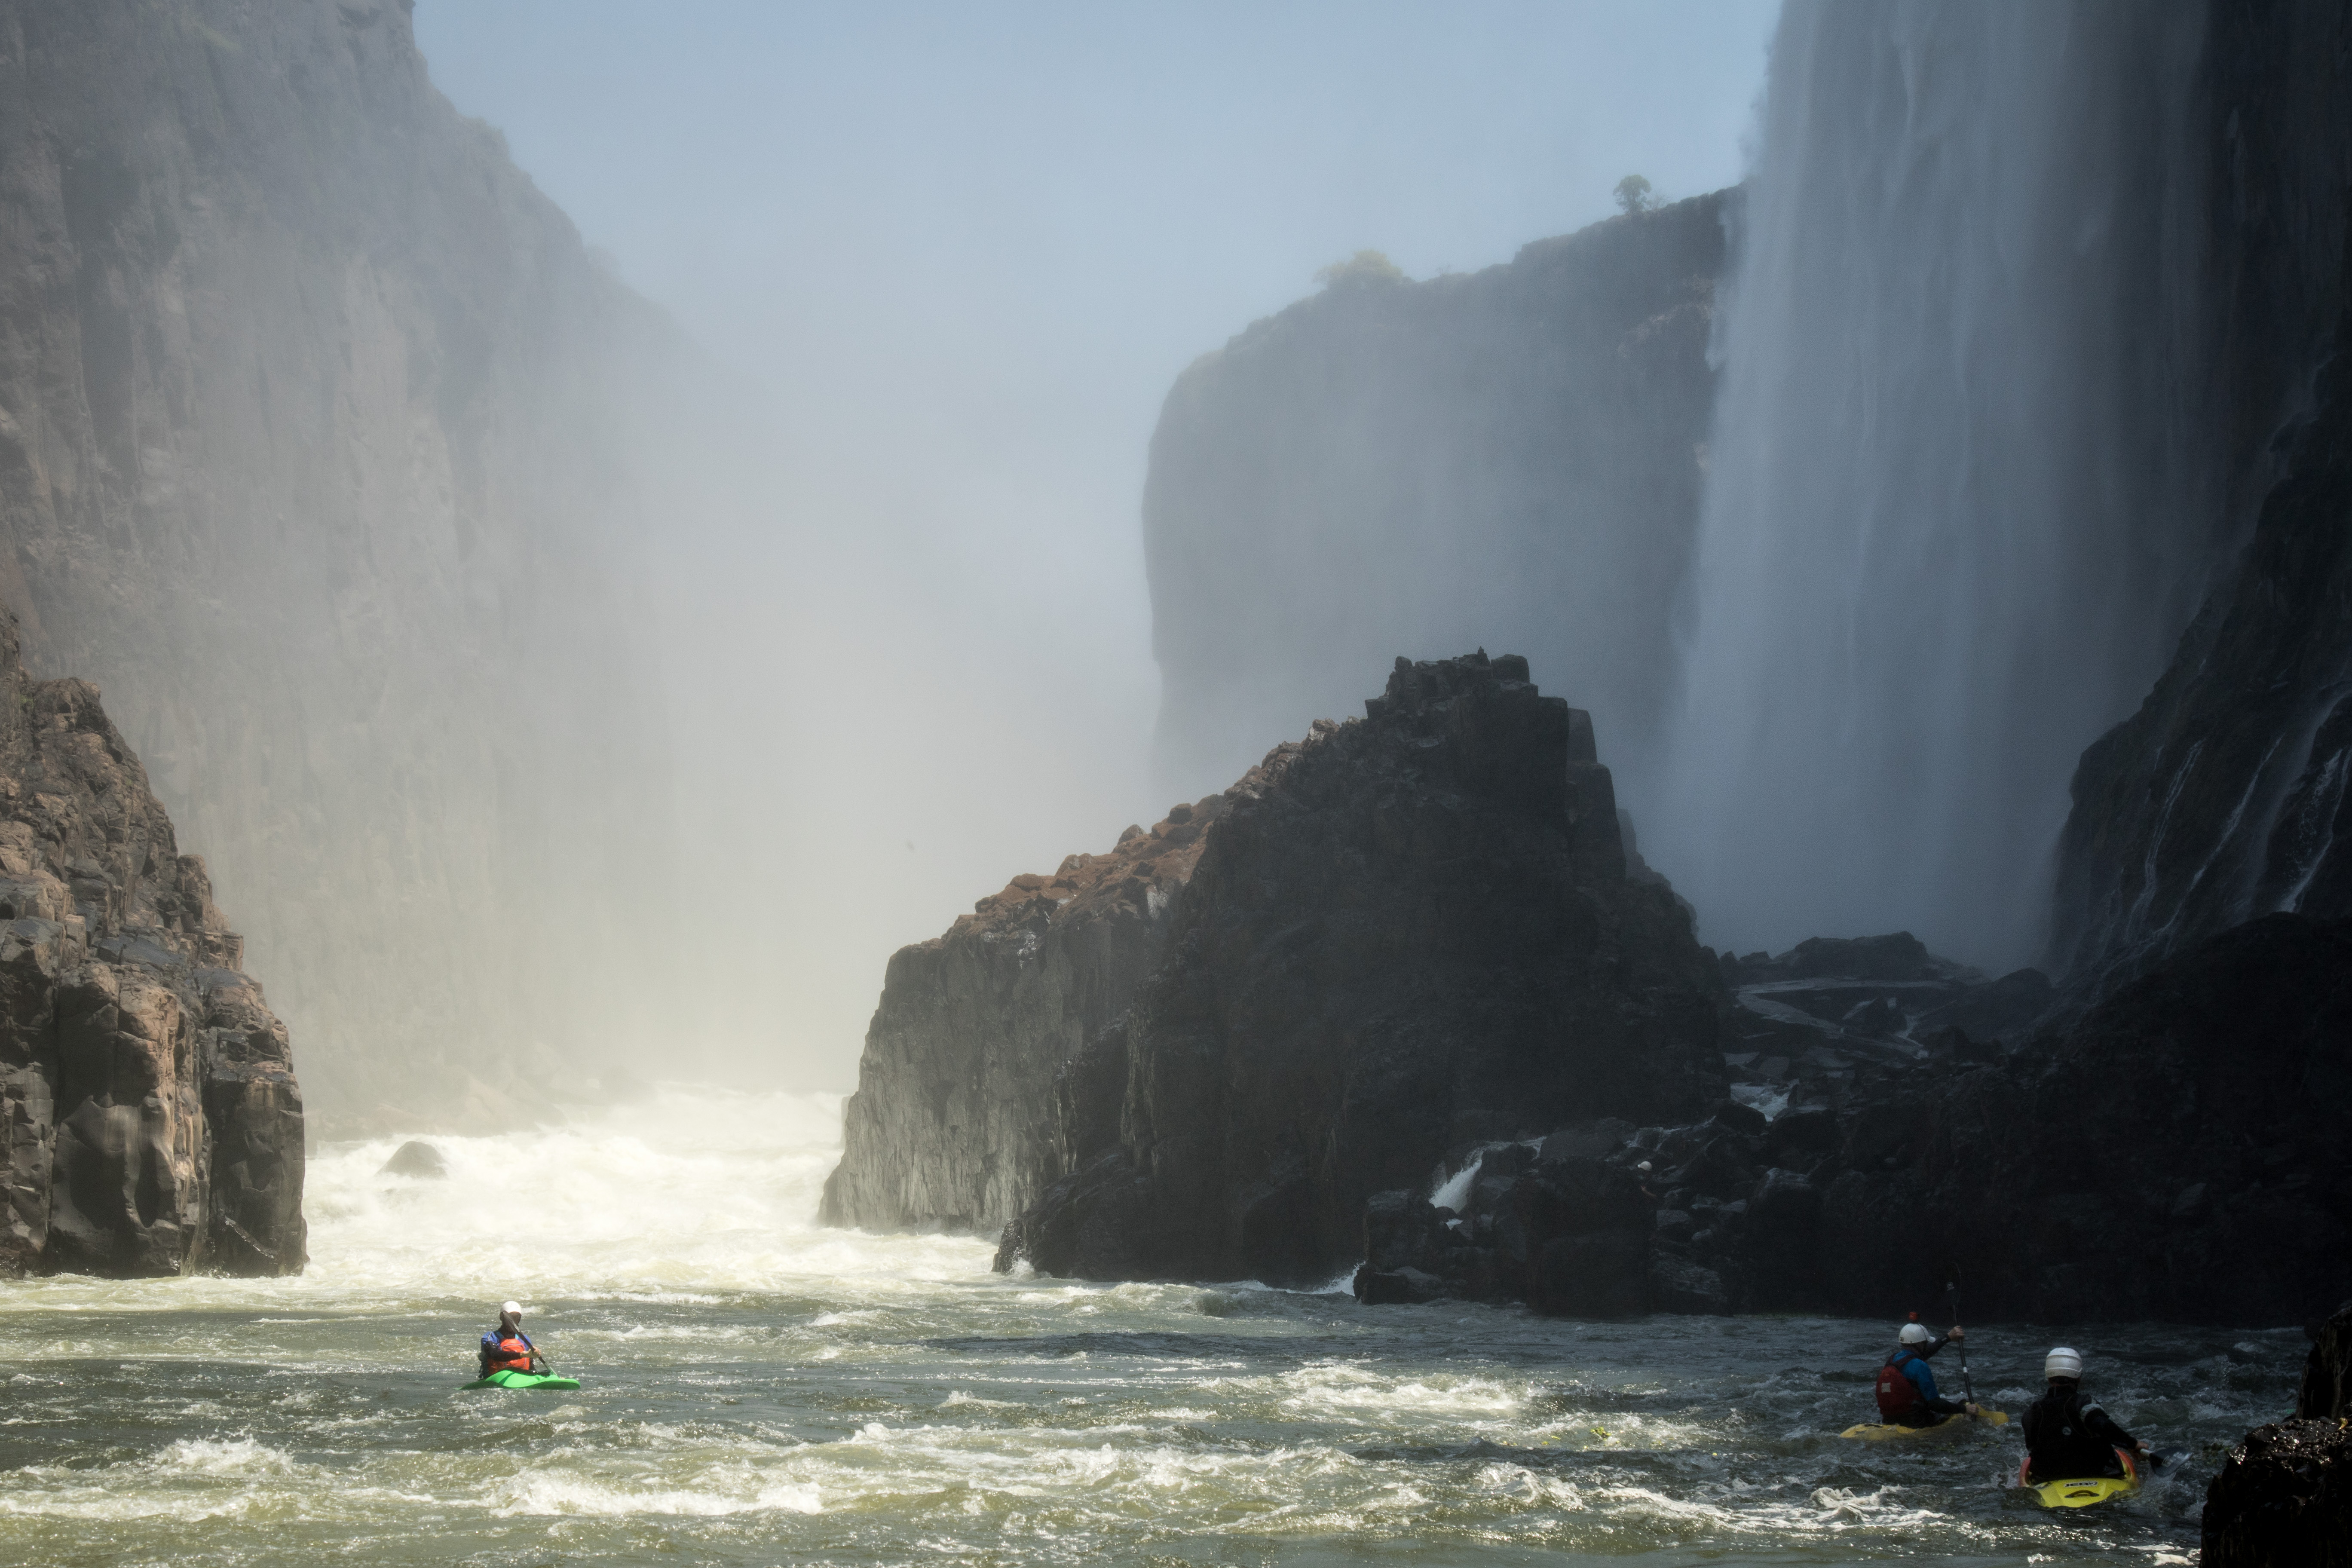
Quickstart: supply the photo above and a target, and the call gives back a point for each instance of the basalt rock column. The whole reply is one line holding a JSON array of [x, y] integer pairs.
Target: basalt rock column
[[1408, 933]]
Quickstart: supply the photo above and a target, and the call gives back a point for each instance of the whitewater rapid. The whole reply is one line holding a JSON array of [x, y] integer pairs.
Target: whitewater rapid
[[759, 1389]]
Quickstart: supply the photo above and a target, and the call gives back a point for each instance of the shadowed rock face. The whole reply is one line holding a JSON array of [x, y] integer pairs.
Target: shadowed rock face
[[147, 1093], [2168, 1155], [1409, 933], [2223, 798], [950, 1127], [1510, 455], [2284, 1495]]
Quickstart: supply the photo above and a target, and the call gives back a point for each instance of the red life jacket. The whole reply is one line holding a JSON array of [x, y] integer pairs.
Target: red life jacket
[[1896, 1393], [511, 1354]]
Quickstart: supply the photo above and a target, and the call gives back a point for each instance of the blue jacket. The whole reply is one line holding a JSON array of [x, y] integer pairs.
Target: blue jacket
[[1914, 1365]]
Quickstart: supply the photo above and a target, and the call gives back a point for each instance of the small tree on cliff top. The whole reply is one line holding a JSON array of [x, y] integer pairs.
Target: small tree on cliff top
[[1364, 267], [1633, 195]]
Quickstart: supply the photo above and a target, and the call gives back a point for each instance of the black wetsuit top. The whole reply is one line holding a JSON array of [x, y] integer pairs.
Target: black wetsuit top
[[2070, 1439]]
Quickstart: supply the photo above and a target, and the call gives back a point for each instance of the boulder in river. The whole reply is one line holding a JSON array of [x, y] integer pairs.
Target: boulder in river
[[416, 1158]]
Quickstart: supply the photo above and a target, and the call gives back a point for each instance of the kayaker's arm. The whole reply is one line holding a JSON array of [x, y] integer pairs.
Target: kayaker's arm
[[2104, 1428]]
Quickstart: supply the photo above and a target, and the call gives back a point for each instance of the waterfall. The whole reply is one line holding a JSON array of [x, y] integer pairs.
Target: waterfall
[[1960, 501]]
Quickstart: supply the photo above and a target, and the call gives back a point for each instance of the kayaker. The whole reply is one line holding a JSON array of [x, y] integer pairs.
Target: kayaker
[[1907, 1395], [507, 1348], [2066, 1438]]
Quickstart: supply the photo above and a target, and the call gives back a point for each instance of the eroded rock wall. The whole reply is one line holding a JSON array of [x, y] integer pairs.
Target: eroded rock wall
[[311, 436], [1408, 932], [1507, 458], [951, 1126], [2223, 798], [147, 1093]]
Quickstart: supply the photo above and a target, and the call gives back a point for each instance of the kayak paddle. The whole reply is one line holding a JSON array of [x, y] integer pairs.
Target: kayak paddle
[[1952, 1296]]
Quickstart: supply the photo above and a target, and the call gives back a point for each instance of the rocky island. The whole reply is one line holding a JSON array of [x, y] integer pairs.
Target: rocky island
[[154, 1124]]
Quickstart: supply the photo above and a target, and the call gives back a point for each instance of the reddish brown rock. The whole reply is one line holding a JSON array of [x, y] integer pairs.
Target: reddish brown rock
[[152, 1121]]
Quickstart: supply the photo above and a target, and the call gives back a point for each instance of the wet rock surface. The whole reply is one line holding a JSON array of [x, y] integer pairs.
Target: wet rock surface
[[2223, 798], [1411, 934], [951, 1126], [2284, 1495], [152, 1120]]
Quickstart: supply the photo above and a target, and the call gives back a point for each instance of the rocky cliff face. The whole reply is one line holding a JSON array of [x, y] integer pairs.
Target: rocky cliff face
[[1508, 457], [152, 1121], [309, 436], [2223, 799], [951, 1126], [1409, 935]]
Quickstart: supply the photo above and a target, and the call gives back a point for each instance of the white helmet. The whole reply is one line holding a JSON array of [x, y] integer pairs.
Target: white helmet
[[512, 1309], [1914, 1334], [2063, 1361]]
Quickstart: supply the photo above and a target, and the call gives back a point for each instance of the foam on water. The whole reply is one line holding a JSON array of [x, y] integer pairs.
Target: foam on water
[[757, 1388]]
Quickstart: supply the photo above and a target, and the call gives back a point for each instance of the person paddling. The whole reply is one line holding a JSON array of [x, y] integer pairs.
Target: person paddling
[[2067, 1438], [507, 1348], [1907, 1395]]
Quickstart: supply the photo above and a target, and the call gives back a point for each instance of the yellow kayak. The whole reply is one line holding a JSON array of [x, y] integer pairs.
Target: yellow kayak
[[1880, 1432], [2085, 1491]]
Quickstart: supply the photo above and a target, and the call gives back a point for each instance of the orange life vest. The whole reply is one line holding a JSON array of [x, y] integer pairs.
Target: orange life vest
[[511, 1354]]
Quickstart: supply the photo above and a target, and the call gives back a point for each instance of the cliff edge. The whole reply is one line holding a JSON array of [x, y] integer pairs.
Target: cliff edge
[[152, 1121]]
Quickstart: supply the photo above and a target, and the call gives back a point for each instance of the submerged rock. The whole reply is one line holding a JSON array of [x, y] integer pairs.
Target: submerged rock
[[152, 1121], [1412, 935], [416, 1158]]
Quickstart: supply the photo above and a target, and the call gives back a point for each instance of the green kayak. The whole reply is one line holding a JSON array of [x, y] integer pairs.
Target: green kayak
[[523, 1380]]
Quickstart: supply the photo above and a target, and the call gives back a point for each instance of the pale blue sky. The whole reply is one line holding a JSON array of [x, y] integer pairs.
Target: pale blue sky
[[964, 249]]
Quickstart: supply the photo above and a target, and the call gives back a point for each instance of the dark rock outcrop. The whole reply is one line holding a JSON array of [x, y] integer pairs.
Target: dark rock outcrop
[[951, 1126], [2168, 1155], [313, 417], [2223, 798], [1412, 935], [1511, 455], [2284, 1495], [152, 1121], [419, 1159]]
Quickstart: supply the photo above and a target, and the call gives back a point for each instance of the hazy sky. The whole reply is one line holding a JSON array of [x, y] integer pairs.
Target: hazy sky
[[963, 250]]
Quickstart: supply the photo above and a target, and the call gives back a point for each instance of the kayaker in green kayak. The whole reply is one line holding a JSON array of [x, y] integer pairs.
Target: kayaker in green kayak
[[507, 1348], [2066, 1438]]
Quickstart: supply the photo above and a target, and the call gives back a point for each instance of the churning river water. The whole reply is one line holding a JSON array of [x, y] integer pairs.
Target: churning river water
[[761, 1391]]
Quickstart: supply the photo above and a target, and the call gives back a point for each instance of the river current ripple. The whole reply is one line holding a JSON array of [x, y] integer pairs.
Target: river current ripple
[[758, 1390]]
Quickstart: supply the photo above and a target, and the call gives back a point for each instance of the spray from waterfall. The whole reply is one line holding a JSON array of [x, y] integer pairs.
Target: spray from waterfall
[[1958, 505]]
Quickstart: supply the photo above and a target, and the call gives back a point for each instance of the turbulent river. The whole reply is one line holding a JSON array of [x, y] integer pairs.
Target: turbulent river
[[758, 1390]]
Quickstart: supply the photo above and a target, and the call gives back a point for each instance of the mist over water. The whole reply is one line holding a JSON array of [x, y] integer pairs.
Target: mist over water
[[757, 1389], [1959, 505]]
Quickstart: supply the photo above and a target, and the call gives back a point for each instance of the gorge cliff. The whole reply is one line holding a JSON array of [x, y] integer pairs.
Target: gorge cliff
[[152, 1124], [1511, 456], [950, 1126], [312, 421], [2223, 798], [1409, 934]]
